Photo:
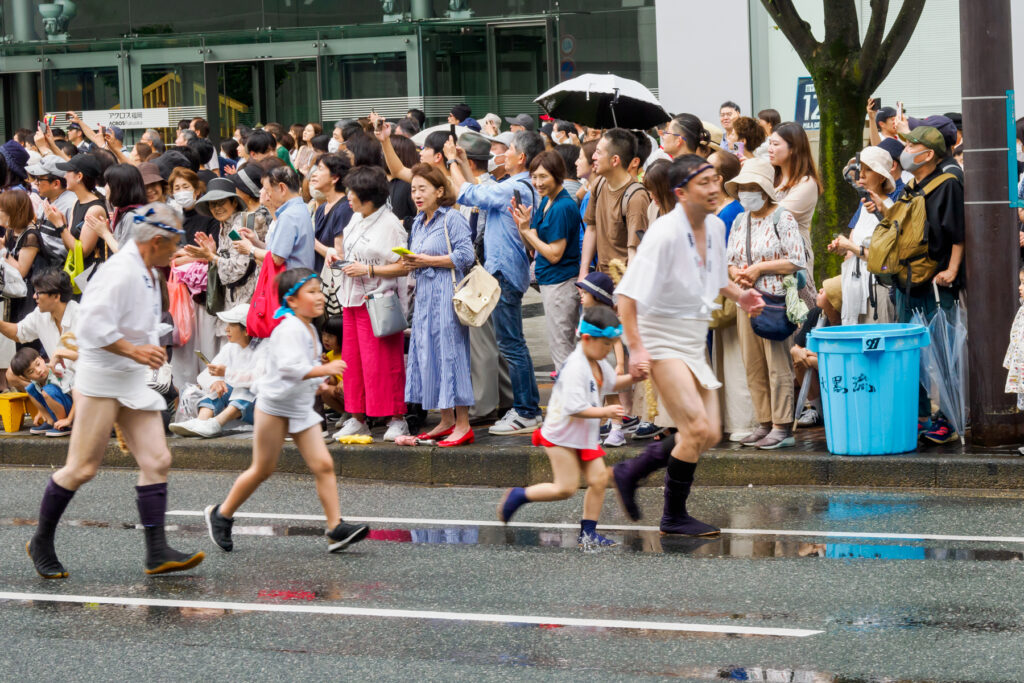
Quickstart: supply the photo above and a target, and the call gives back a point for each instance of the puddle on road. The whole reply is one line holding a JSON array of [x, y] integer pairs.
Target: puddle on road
[[728, 545]]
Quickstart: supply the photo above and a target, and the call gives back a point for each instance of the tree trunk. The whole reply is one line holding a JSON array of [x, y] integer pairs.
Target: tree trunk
[[841, 136]]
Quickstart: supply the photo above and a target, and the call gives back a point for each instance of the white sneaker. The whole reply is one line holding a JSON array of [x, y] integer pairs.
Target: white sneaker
[[615, 438], [809, 418], [186, 428], [736, 437], [514, 423], [207, 428], [396, 428], [353, 427]]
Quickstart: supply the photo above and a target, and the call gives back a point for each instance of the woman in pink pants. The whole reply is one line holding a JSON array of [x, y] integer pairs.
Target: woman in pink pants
[[374, 380]]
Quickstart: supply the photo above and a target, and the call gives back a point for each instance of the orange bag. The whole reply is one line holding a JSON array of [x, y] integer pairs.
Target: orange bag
[[181, 308]]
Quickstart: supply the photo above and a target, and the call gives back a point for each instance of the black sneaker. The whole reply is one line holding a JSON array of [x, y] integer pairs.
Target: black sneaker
[[630, 424], [648, 430], [344, 535], [219, 527]]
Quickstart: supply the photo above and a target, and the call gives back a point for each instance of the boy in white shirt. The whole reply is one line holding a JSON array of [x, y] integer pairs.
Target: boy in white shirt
[[571, 431], [229, 381]]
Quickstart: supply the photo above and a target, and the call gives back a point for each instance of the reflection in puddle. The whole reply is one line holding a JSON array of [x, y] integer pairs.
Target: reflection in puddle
[[732, 545]]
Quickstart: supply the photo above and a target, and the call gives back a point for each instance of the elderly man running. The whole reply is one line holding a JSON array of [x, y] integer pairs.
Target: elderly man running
[[117, 331], [665, 301]]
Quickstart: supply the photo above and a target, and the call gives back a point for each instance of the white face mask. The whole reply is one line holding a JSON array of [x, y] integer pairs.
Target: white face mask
[[333, 146], [185, 199], [493, 165], [317, 194], [751, 201], [1020, 151]]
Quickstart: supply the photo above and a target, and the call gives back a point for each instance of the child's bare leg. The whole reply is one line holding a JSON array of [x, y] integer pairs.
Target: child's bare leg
[[227, 415], [596, 475], [311, 445], [205, 413], [55, 405], [268, 438], [565, 465]]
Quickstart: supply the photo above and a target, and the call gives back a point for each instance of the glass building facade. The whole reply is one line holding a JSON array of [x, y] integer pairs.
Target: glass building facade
[[296, 61]]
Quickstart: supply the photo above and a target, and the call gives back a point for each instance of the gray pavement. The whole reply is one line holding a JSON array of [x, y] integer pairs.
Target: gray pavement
[[942, 605]]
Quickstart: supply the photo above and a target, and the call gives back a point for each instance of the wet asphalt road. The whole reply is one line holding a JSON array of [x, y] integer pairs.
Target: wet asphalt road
[[886, 608]]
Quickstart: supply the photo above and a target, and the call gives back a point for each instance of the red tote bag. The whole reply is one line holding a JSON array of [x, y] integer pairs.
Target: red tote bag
[[260, 322]]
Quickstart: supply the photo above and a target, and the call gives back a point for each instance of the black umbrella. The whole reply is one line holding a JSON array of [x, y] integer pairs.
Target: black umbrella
[[604, 101]]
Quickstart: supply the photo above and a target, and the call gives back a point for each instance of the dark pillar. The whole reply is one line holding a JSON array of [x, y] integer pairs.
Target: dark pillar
[[991, 248], [213, 104]]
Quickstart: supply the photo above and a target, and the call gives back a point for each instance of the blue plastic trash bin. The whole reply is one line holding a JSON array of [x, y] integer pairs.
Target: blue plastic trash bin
[[869, 377]]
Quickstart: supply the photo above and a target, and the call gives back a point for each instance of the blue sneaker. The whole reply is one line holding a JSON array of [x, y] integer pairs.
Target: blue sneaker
[[941, 432], [39, 430], [606, 428], [923, 425], [648, 430], [630, 424], [593, 540]]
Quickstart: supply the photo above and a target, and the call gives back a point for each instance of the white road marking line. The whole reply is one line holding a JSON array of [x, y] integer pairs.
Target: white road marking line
[[415, 614], [614, 527]]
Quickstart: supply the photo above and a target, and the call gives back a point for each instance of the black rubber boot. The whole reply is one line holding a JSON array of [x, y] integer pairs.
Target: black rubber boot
[[44, 557], [161, 558], [627, 475], [675, 519]]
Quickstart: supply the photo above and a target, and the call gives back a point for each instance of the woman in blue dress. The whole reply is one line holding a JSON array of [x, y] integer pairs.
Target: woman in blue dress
[[438, 375]]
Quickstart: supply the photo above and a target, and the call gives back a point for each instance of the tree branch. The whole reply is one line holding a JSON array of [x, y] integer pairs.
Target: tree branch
[[875, 33], [796, 30], [895, 43], [841, 24]]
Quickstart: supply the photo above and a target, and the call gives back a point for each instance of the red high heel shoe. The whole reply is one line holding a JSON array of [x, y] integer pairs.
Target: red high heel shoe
[[427, 436], [466, 438]]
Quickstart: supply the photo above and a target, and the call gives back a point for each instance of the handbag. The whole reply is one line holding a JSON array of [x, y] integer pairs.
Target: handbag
[[772, 323], [478, 293], [260, 322], [216, 296], [181, 308], [330, 285], [386, 315]]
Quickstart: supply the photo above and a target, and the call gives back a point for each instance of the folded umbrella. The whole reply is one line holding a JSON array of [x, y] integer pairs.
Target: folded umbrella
[[421, 138], [604, 101]]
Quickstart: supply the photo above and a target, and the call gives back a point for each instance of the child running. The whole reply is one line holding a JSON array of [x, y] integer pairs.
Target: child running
[[284, 405], [571, 431]]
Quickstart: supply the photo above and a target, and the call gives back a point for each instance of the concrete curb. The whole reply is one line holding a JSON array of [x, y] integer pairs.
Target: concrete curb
[[511, 461]]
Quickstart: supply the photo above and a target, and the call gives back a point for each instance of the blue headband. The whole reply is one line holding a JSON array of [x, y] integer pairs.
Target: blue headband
[[687, 179], [147, 218], [594, 331], [285, 309]]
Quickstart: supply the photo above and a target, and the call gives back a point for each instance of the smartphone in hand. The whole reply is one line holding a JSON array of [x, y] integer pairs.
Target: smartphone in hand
[[202, 357], [518, 197]]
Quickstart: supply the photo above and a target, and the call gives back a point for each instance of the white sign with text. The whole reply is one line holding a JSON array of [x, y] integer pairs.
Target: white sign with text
[[127, 118]]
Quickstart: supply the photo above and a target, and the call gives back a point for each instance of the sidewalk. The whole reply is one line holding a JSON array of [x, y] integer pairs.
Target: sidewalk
[[511, 460]]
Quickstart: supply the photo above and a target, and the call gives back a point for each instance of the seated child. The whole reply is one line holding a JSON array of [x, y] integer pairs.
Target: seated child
[[229, 381], [330, 392], [50, 393], [571, 431]]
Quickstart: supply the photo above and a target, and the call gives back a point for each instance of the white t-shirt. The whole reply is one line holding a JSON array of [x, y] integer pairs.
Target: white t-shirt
[[576, 391], [39, 325], [292, 351], [242, 369], [666, 277]]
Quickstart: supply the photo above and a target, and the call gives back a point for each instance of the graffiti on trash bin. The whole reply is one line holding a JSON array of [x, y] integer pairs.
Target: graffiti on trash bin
[[860, 384]]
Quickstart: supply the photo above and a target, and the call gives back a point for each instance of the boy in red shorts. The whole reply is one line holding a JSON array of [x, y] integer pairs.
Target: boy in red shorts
[[571, 431]]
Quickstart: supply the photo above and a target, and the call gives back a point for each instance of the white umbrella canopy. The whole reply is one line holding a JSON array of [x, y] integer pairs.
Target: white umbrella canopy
[[604, 101], [421, 137]]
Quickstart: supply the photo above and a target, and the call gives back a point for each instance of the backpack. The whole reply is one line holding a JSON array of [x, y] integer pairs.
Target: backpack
[[631, 190], [898, 254]]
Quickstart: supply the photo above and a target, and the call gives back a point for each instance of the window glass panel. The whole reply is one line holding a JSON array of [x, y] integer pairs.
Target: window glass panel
[[82, 89]]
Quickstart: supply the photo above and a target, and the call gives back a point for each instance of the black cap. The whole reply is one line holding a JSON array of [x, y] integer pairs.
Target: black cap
[[884, 114], [86, 164]]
